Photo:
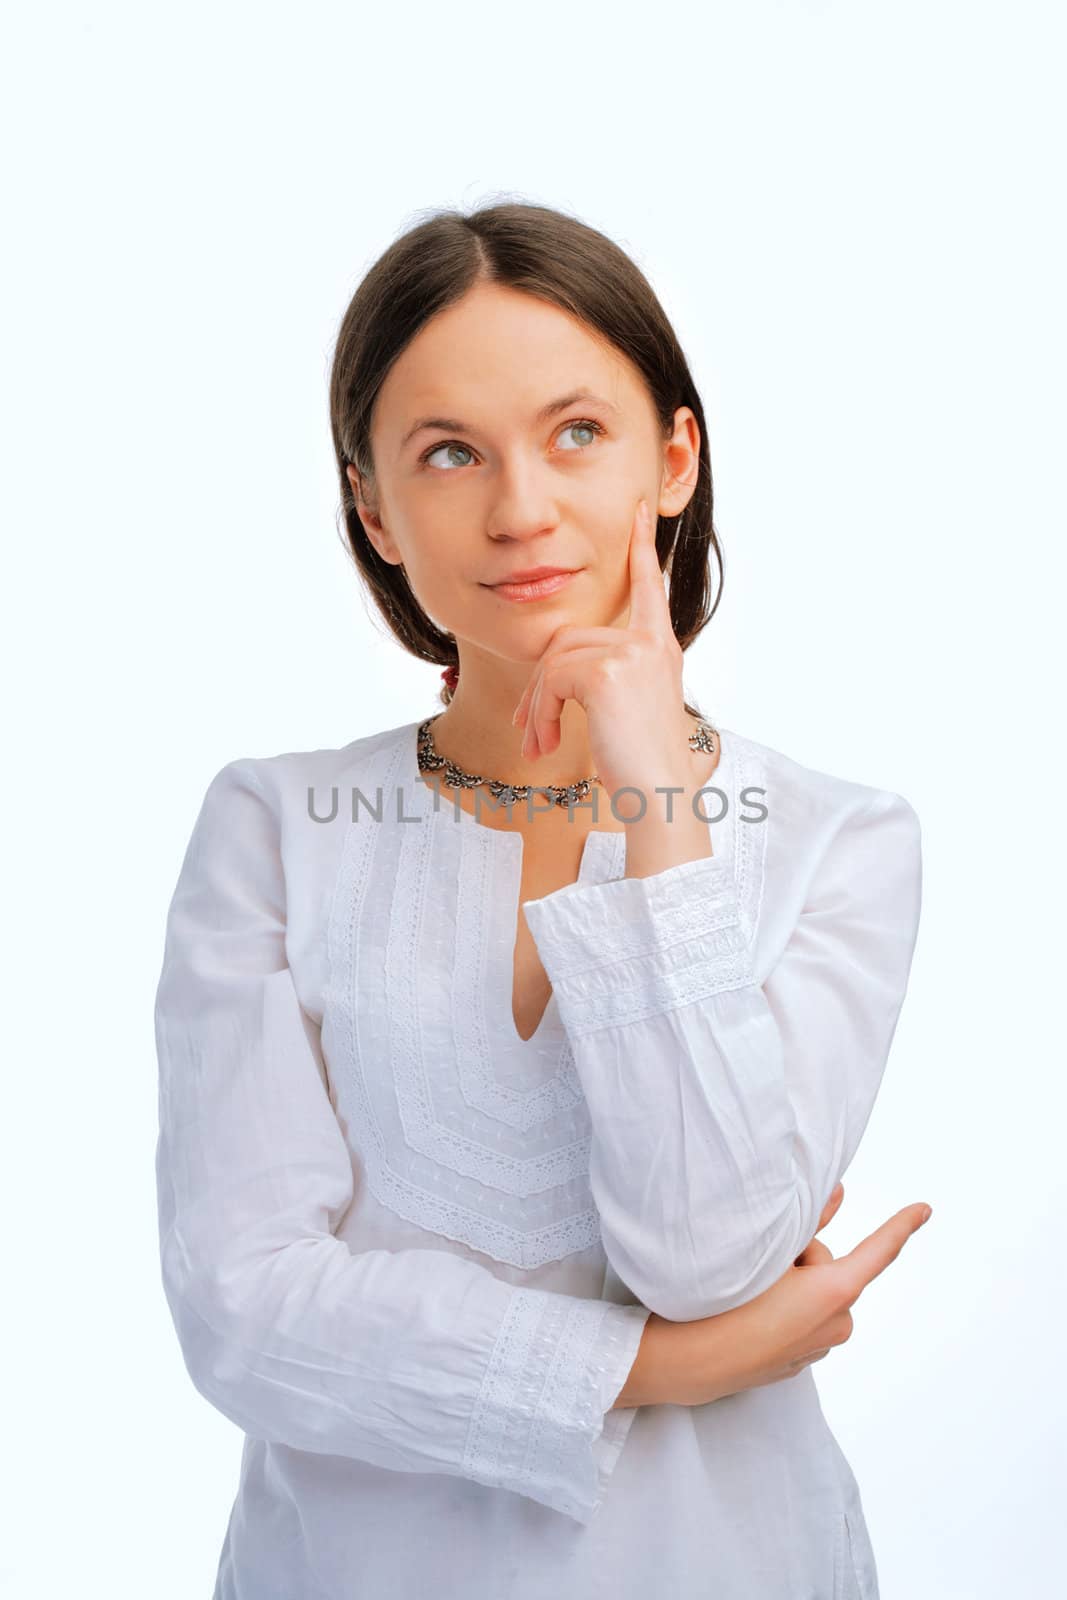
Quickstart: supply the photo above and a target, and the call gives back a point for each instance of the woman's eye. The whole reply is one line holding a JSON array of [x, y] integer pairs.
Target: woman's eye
[[592, 428], [451, 446], [462, 448]]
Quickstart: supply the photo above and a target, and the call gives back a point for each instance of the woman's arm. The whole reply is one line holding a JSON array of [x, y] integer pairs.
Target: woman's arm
[[795, 1322], [416, 1360], [724, 1110]]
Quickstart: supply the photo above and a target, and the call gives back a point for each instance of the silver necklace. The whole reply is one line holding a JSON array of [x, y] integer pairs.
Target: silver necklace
[[568, 794]]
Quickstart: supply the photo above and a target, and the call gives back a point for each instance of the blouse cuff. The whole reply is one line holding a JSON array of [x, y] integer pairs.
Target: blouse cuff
[[623, 1337], [633, 947], [541, 1426]]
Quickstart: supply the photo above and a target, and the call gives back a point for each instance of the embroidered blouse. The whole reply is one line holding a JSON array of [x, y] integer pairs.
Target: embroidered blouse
[[411, 1255]]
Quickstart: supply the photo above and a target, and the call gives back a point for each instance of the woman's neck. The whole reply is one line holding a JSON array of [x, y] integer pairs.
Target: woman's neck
[[482, 739], [489, 745]]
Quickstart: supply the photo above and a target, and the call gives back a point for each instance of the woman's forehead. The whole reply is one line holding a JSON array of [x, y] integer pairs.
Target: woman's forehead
[[523, 356]]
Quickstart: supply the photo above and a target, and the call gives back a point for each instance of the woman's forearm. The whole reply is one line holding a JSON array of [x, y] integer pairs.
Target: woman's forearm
[[681, 1363], [795, 1322]]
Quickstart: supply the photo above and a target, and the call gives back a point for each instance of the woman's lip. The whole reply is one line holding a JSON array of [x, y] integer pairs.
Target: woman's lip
[[535, 589]]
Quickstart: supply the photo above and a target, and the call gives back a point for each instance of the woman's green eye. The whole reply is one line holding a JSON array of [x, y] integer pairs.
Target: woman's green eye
[[451, 448], [581, 427]]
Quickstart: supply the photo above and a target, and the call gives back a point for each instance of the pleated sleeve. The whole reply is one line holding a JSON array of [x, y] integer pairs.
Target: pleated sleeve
[[416, 1360], [725, 1109]]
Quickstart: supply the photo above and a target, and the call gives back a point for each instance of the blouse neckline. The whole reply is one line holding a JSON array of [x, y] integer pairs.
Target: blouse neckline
[[599, 842], [603, 858]]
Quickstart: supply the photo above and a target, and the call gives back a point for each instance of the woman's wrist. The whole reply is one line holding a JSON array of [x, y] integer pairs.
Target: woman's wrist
[[678, 1364], [643, 1386]]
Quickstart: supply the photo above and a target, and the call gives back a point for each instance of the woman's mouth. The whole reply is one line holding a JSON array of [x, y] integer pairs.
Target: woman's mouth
[[535, 589]]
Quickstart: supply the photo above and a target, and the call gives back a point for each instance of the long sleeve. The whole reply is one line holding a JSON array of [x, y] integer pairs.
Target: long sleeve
[[724, 1109], [416, 1360]]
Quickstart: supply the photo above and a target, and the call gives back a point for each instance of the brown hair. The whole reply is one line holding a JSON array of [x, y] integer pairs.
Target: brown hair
[[546, 253]]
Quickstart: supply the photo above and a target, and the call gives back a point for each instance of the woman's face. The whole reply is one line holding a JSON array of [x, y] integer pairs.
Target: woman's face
[[488, 461]]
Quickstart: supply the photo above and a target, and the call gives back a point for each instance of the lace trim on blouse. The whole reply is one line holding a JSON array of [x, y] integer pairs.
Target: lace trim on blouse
[[464, 1128]]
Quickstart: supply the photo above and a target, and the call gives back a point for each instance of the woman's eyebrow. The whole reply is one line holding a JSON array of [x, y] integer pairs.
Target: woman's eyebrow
[[548, 410]]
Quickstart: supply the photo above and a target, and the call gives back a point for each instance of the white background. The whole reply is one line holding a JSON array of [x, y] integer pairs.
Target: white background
[[853, 214]]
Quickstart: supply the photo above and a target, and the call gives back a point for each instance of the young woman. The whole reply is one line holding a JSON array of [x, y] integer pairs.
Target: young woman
[[510, 1058]]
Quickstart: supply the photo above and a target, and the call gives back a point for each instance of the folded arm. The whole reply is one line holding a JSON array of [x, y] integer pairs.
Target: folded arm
[[725, 1110]]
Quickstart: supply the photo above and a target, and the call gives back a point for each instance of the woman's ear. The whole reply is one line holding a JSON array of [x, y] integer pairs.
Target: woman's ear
[[370, 517], [681, 464], [356, 482]]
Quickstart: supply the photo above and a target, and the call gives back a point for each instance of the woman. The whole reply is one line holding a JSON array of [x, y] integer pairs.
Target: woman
[[510, 1059]]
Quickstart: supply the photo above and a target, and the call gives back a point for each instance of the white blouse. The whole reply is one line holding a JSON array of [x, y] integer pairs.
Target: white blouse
[[411, 1254]]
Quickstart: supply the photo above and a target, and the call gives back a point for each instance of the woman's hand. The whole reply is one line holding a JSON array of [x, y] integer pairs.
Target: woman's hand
[[627, 679], [795, 1322]]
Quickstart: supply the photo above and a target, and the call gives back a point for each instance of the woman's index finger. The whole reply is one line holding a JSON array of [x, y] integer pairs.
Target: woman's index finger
[[648, 600]]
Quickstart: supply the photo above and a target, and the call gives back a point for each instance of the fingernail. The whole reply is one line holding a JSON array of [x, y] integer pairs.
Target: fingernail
[[928, 1213]]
